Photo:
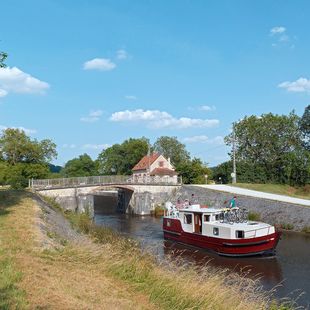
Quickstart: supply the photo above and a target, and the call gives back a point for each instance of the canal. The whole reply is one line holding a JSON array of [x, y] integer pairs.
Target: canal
[[288, 271]]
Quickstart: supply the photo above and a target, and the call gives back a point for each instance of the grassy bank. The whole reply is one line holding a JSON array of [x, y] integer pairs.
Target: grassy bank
[[106, 271], [281, 189]]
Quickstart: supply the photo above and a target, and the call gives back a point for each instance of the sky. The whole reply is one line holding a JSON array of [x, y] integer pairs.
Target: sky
[[88, 74]]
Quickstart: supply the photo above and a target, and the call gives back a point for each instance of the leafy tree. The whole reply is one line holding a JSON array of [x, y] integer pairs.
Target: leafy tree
[[121, 158], [193, 171], [270, 149], [23, 158], [18, 175], [305, 127], [3, 57], [80, 167], [171, 147], [16, 146]]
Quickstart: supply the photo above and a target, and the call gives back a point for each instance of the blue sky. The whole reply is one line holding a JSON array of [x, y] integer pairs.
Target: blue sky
[[88, 74]]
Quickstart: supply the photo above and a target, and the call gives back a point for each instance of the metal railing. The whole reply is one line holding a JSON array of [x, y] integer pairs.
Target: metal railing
[[103, 180]]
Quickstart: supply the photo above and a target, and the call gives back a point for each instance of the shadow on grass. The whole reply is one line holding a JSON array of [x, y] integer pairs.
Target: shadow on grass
[[9, 198]]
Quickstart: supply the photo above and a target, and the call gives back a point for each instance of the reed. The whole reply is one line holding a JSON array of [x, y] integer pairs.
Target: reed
[[172, 284]]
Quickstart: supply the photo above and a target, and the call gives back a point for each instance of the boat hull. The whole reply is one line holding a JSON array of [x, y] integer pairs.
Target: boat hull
[[229, 247]]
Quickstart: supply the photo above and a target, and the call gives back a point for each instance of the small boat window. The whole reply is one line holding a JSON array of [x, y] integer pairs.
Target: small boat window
[[239, 233], [217, 217], [206, 218], [188, 219], [215, 231], [168, 223]]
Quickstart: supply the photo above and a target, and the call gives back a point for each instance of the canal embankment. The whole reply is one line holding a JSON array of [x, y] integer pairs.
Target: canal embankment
[[58, 266]]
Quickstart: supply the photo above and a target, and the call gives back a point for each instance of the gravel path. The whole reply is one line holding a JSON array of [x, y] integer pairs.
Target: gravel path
[[257, 194]]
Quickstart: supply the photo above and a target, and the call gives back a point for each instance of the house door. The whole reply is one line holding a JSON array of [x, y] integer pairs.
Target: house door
[[197, 222]]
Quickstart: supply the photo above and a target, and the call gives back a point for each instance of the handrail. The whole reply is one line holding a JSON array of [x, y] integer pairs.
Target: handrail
[[103, 180]]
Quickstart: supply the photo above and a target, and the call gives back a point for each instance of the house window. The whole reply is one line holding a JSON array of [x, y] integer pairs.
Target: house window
[[239, 233], [161, 164], [216, 231], [188, 219], [206, 218]]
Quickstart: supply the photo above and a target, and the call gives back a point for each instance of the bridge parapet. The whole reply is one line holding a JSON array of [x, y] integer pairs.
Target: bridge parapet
[[40, 184]]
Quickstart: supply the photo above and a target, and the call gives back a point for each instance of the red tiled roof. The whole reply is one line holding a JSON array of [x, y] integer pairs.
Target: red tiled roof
[[145, 162], [163, 171]]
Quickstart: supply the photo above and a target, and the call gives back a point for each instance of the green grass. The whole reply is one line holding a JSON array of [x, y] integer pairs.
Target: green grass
[[11, 296], [281, 189]]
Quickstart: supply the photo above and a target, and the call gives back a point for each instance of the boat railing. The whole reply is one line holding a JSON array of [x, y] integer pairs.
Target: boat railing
[[254, 232]]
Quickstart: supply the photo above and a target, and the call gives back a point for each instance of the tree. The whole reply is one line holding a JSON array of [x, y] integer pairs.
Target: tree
[[304, 125], [16, 146], [269, 147], [80, 167], [3, 57], [171, 147], [193, 171], [121, 158], [23, 158]]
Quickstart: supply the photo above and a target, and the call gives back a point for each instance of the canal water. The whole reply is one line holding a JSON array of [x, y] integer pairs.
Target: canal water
[[288, 270]]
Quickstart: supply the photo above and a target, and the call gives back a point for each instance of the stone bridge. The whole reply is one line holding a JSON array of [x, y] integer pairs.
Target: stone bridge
[[107, 194]]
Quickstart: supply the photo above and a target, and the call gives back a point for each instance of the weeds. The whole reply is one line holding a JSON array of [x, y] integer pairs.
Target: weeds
[[286, 226], [306, 230], [253, 216]]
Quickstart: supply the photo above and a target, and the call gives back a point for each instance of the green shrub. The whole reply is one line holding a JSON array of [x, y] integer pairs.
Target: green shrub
[[306, 230], [253, 216]]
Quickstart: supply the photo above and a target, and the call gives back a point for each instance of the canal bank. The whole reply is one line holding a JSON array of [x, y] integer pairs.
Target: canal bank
[[61, 267], [287, 271]]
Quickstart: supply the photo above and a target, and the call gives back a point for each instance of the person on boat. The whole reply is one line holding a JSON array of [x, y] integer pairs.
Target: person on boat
[[233, 203]]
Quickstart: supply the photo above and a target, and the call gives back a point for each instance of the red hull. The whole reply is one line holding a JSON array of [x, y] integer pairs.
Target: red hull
[[228, 247]]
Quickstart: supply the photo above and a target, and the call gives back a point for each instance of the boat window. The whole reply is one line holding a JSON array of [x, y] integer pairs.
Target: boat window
[[239, 233], [168, 223], [206, 218], [217, 217], [188, 219], [215, 231]]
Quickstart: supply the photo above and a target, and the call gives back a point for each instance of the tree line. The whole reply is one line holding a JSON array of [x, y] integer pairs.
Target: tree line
[[23, 158], [270, 149]]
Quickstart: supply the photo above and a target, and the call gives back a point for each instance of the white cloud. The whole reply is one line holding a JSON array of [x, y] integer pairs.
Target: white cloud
[[96, 146], [277, 30], [300, 85], [69, 146], [26, 130], [160, 119], [121, 54], [131, 97], [15, 80], [204, 139], [102, 64], [3, 93], [92, 117], [207, 108]]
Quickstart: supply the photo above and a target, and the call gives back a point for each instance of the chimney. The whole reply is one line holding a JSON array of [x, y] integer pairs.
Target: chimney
[[169, 160]]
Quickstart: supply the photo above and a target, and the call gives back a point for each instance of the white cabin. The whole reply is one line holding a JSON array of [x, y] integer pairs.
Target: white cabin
[[206, 221]]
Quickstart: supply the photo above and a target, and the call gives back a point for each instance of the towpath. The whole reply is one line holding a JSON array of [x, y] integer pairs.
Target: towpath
[[252, 193]]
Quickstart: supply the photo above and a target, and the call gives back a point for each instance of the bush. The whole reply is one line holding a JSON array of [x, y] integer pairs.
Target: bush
[[253, 216]]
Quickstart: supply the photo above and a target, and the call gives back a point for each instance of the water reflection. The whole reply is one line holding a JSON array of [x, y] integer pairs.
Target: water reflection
[[290, 267]]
